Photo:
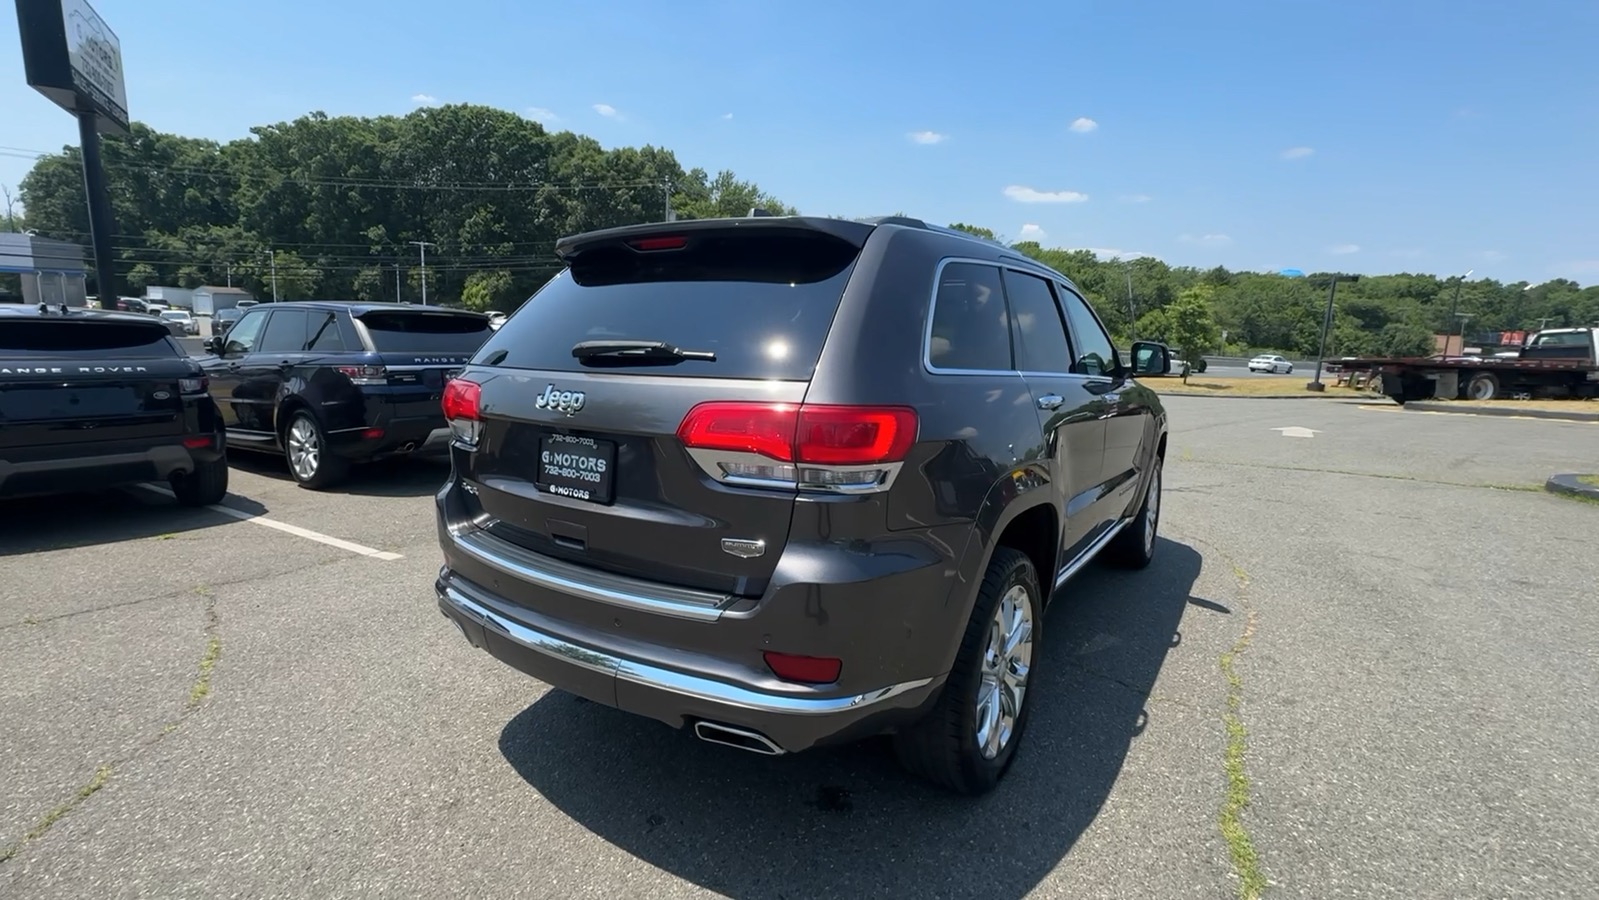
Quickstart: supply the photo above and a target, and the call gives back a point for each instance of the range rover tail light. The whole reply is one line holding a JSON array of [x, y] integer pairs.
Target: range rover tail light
[[809, 446]]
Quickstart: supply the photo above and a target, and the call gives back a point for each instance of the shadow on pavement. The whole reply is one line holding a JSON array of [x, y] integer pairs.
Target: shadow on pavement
[[64, 521], [847, 821], [393, 477]]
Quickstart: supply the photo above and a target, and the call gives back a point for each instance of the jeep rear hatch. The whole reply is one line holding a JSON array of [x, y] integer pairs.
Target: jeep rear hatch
[[586, 447], [85, 379]]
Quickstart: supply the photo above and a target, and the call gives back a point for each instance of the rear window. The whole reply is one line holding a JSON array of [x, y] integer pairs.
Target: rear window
[[762, 303], [421, 332], [83, 339]]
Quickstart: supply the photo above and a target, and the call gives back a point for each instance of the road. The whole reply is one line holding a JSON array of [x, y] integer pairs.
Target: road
[[202, 705]]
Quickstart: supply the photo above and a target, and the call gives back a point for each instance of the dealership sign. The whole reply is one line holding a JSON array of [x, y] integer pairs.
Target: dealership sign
[[74, 58]]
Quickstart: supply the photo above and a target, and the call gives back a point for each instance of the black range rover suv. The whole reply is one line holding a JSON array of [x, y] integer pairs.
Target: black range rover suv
[[789, 481], [92, 400], [330, 383]]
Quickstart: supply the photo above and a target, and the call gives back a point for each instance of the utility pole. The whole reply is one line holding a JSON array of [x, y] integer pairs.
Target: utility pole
[[423, 246], [1454, 307], [397, 295], [1132, 314], [1326, 326], [667, 190], [274, 255]]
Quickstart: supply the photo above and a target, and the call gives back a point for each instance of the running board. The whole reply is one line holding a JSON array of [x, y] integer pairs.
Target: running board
[[1089, 552]]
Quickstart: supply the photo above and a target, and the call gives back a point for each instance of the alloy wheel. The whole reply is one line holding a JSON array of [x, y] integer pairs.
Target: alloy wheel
[[1007, 663], [305, 449]]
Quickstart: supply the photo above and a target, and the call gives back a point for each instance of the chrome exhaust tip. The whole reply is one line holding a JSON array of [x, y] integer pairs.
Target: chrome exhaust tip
[[407, 447], [737, 738]]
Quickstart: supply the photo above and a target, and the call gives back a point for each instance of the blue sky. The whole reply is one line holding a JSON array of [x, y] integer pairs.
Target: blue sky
[[1363, 135]]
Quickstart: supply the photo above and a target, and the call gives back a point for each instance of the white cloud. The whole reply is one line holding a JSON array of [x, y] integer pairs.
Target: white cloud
[[1213, 240], [607, 110], [1023, 194], [1031, 232], [1112, 253], [1297, 152], [539, 113], [1344, 249], [727, 115], [928, 137], [424, 99], [1136, 198], [1083, 125], [1494, 256]]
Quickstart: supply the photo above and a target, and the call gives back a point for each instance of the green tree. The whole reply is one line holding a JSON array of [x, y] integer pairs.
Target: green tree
[[487, 290]]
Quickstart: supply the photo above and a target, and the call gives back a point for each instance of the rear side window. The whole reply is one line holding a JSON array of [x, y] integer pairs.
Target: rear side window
[[404, 331], [83, 339], [969, 321], [763, 303]]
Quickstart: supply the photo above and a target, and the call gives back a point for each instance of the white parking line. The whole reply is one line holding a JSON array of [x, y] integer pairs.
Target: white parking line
[[286, 528]]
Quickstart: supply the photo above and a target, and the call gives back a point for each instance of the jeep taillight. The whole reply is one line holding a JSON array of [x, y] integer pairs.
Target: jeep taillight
[[461, 405], [196, 385], [809, 446]]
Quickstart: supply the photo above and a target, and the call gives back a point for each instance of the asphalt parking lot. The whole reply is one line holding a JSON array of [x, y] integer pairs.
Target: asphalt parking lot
[[1378, 637]]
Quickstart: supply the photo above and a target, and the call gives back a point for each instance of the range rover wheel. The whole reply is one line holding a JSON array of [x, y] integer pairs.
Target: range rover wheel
[[969, 739], [207, 484], [1134, 548], [305, 445]]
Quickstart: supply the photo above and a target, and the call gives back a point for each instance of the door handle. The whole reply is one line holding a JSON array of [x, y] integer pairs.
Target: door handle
[[1050, 401], [233, 367]]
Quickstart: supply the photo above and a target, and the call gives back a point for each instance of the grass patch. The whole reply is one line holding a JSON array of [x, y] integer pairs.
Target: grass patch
[[1589, 480], [1246, 861], [208, 663], [1201, 386], [101, 776]]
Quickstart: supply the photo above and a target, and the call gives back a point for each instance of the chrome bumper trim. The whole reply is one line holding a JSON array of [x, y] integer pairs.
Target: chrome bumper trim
[[665, 679], [558, 575]]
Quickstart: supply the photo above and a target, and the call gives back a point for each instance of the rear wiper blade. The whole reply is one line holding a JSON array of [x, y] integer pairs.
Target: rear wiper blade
[[641, 352]]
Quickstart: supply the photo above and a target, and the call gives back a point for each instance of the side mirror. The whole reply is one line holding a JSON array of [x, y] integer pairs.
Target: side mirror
[[1150, 358], [213, 344]]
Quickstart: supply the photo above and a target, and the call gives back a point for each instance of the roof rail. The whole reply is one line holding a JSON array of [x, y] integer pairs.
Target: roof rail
[[903, 221]]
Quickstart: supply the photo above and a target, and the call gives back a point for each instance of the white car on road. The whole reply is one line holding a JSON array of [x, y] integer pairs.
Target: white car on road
[[180, 318], [1267, 362]]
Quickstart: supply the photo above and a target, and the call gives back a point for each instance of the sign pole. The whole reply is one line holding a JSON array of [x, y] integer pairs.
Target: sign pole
[[100, 224]]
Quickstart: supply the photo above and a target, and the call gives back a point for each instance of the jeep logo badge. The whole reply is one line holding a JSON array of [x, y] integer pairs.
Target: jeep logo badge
[[569, 402]]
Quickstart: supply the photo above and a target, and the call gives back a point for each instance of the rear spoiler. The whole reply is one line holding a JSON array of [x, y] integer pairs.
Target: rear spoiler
[[661, 233]]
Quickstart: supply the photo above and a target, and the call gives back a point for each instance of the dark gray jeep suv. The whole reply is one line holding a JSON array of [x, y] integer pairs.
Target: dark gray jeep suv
[[789, 481]]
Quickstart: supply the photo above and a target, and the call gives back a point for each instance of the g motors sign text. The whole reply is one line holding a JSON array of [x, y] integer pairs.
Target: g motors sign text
[[73, 57]]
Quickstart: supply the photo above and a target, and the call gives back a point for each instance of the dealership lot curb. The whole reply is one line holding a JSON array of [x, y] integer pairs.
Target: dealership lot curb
[[1572, 486], [1459, 409]]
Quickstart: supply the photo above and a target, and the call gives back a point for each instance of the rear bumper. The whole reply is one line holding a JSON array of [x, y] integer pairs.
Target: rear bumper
[[571, 659], [69, 469]]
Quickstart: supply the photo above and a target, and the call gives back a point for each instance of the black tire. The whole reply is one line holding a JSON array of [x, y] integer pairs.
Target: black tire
[[321, 469], [1134, 548], [207, 484], [943, 747], [1482, 386]]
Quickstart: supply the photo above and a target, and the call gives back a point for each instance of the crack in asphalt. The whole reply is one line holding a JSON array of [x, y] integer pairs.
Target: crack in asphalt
[[32, 621], [198, 692]]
